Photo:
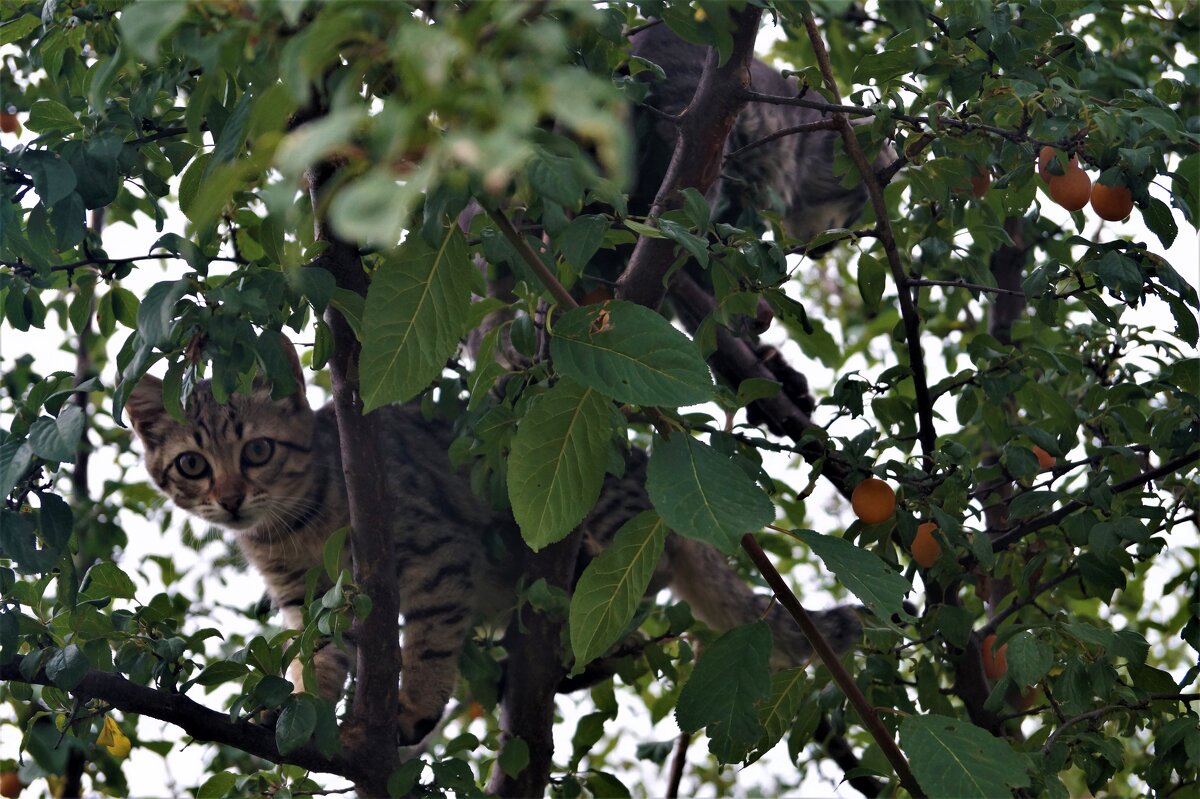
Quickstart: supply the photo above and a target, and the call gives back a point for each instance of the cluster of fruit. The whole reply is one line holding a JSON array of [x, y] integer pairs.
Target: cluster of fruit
[[1071, 188]]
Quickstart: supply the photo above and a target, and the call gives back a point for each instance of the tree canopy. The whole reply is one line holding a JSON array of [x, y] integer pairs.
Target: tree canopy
[[432, 200]]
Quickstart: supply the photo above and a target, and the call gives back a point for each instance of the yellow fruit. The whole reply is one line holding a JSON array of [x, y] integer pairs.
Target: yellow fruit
[[925, 548], [995, 664], [1113, 203], [1071, 190], [873, 501], [10, 784], [1045, 459]]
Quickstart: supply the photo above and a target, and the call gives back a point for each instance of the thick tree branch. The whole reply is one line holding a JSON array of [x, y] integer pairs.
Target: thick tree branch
[[703, 128], [370, 731], [829, 658], [198, 721], [533, 671]]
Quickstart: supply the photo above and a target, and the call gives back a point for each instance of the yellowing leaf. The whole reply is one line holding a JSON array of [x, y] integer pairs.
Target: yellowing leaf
[[112, 739]]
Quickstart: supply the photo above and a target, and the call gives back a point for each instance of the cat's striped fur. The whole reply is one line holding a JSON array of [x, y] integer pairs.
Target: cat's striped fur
[[270, 471]]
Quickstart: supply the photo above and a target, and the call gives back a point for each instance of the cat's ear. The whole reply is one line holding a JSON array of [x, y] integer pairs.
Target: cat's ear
[[145, 405], [289, 350]]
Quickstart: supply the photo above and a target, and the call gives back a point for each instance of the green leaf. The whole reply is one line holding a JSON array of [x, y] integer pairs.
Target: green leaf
[[413, 318], [55, 520], [296, 723], [557, 463], [514, 758], [16, 456], [582, 237], [730, 677], [778, 712], [222, 671], [157, 311], [106, 579], [1161, 221], [702, 494], [871, 279], [955, 758], [612, 586], [67, 667], [630, 353], [1029, 660], [46, 115], [56, 440], [880, 587], [216, 786], [145, 23], [556, 178], [18, 28], [335, 547], [1031, 504], [374, 210]]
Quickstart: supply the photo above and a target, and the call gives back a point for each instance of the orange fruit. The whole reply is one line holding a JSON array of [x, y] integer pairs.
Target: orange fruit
[[10, 784], [995, 664], [981, 182], [1045, 459], [1044, 157], [1071, 190], [1111, 202], [925, 548], [873, 501], [9, 122]]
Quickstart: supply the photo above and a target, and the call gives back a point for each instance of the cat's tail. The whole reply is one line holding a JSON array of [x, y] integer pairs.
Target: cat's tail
[[702, 577]]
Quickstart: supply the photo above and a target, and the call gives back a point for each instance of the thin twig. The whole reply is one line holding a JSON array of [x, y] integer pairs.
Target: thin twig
[[926, 431], [830, 659], [1009, 538], [809, 127], [531, 259], [962, 284], [678, 763]]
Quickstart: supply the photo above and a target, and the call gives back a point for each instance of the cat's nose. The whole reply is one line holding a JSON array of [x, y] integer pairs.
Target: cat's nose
[[231, 502]]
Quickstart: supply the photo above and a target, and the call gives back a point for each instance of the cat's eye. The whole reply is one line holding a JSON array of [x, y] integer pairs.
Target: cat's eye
[[258, 451], [191, 465]]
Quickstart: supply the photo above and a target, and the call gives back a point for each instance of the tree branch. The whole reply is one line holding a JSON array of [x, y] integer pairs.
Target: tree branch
[[532, 260], [703, 128], [1004, 541], [829, 658], [371, 730], [198, 721], [908, 312]]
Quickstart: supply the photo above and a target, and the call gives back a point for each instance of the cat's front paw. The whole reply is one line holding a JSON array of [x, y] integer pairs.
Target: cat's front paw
[[412, 728]]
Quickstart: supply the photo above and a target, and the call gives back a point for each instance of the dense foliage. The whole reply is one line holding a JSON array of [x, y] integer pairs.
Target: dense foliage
[[1024, 378]]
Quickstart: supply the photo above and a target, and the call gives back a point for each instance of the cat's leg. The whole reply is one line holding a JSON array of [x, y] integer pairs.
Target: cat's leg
[[436, 601]]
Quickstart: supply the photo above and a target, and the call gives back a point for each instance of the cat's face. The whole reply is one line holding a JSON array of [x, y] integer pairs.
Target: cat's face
[[236, 465]]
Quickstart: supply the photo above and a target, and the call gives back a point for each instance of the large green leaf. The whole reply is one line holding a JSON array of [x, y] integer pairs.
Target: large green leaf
[[955, 758], [631, 354], [557, 463], [413, 318], [880, 587], [702, 494], [721, 695], [612, 585], [778, 712], [296, 723]]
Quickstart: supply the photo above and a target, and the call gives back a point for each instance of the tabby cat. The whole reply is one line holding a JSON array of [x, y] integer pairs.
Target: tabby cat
[[269, 471]]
